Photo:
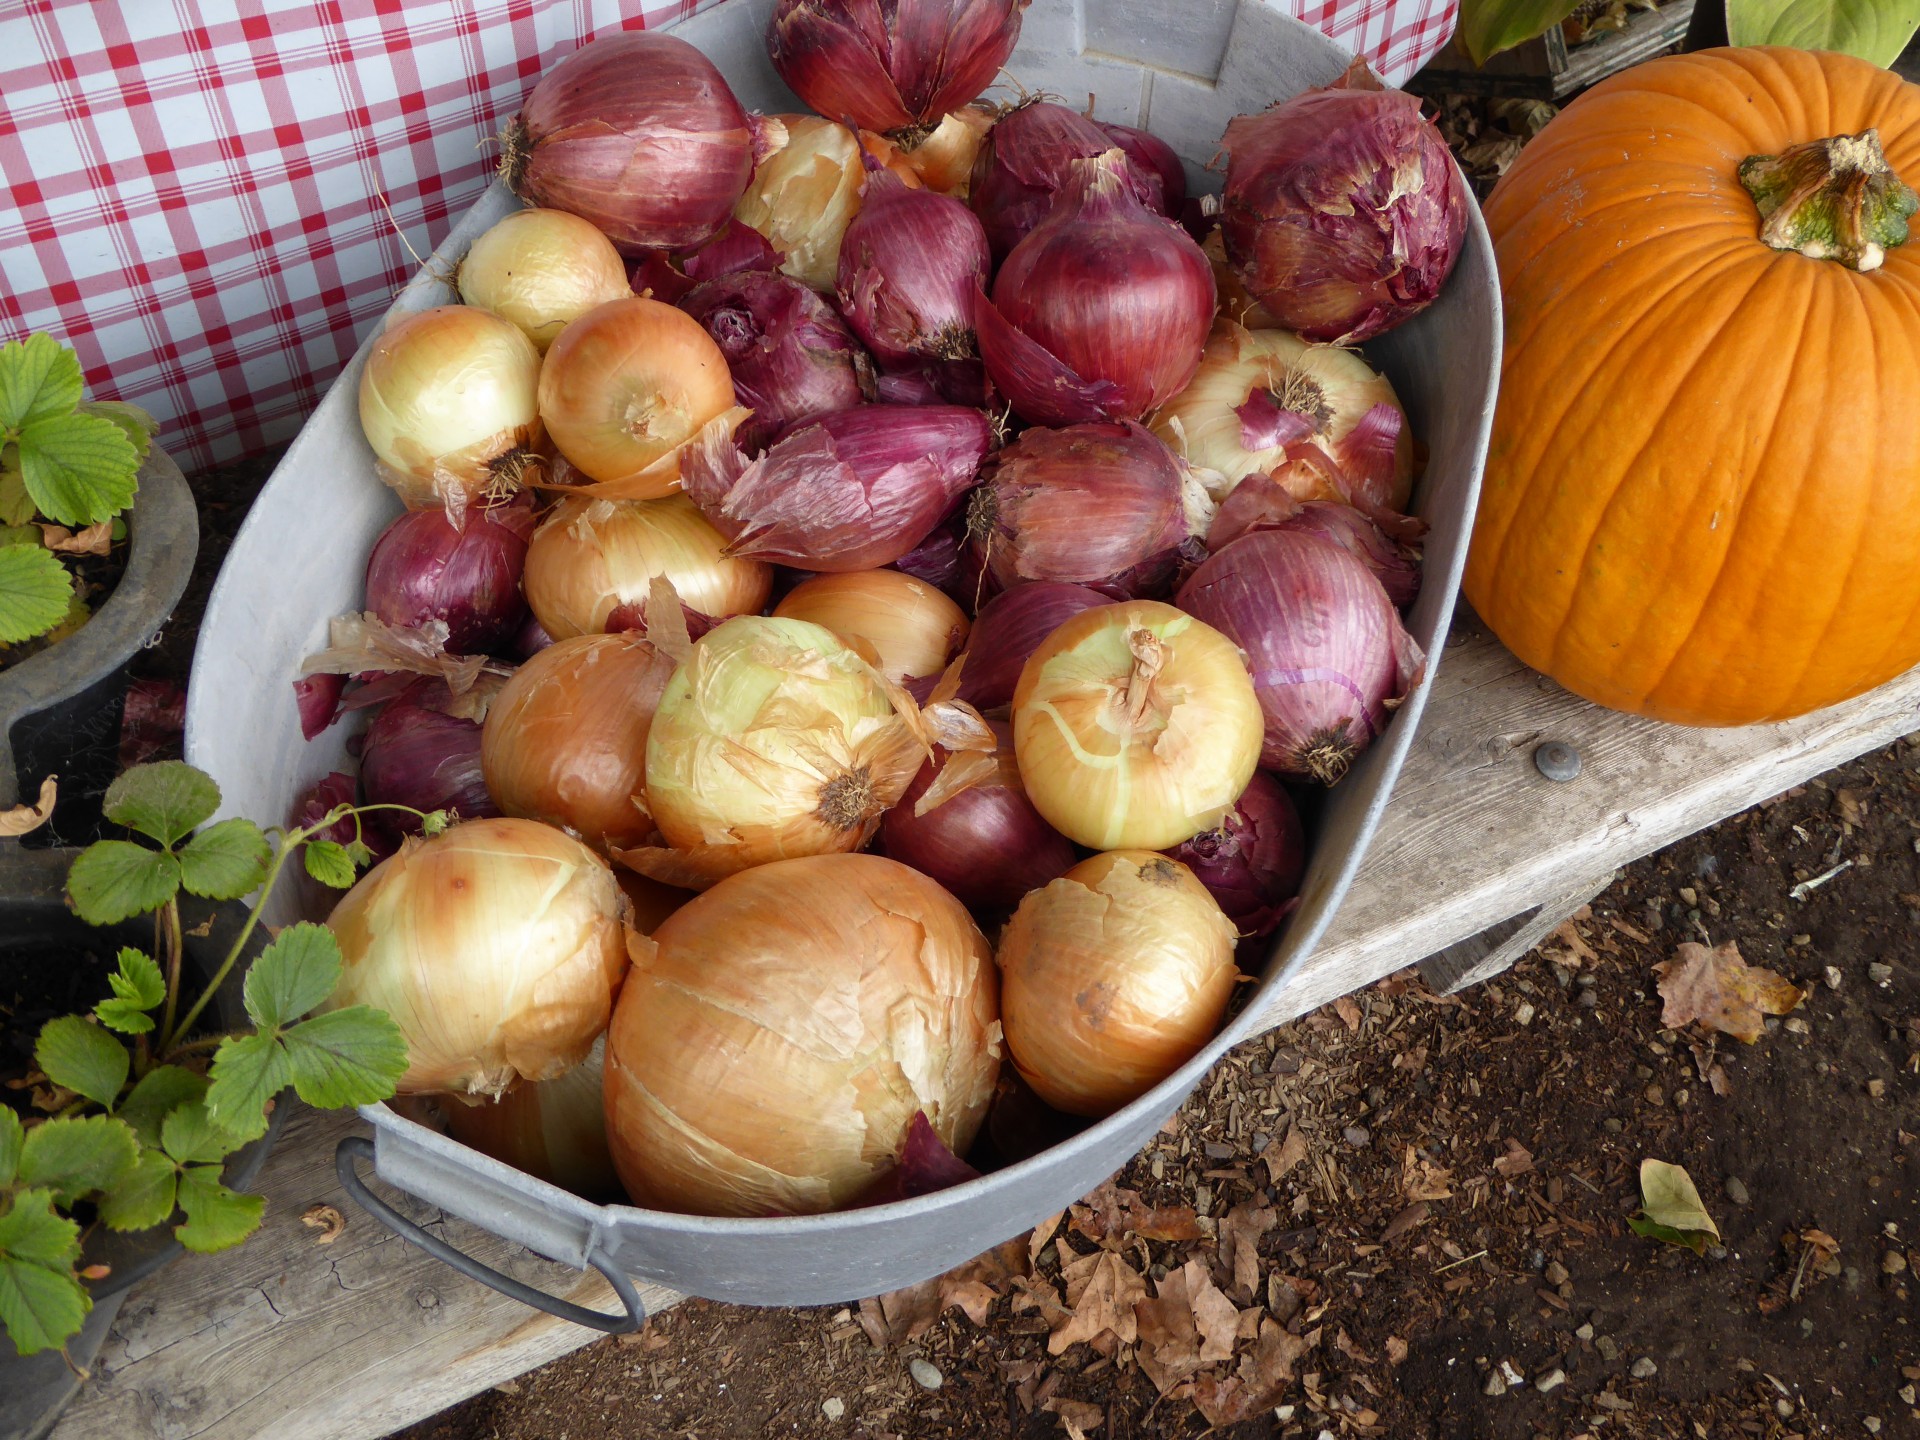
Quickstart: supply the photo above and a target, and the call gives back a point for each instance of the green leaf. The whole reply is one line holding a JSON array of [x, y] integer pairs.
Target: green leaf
[[216, 1216], [136, 424], [157, 1094], [293, 974], [434, 822], [39, 378], [360, 853], [76, 1156], [189, 1135], [329, 863], [16, 506], [83, 1058], [143, 1197], [12, 1136], [42, 1301], [346, 1057], [34, 592], [225, 861], [137, 986], [1489, 26], [114, 880], [79, 469], [247, 1071], [1671, 1209], [163, 800], [1875, 30]]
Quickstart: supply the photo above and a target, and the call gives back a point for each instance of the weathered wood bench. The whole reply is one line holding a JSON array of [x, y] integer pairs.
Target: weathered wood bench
[[1480, 857]]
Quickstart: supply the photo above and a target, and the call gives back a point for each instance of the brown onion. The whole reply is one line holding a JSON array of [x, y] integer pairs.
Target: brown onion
[[1009, 628], [1253, 860], [1262, 503], [639, 133], [425, 568], [909, 265], [912, 626], [1026, 162], [1112, 978], [803, 198], [555, 1130], [542, 269], [778, 1035]]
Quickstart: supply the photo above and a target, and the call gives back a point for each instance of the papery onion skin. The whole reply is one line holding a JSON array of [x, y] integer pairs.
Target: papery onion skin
[[1135, 726], [778, 1034], [1343, 210], [566, 737], [626, 386], [1112, 978], [944, 159], [791, 356], [912, 626], [1009, 628], [1329, 654], [425, 568], [637, 132], [803, 198], [1261, 503], [418, 756], [854, 490], [1027, 160], [1253, 860], [542, 269], [449, 401], [909, 265], [591, 559], [891, 66], [497, 947], [936, 559], [1152, 155], [554, 1130]]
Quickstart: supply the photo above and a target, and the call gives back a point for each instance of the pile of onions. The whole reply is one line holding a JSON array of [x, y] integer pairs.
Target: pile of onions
[[790, 355], [911, 625], [1027, 160], [1261, 502], [1102, 312], [1113, 977], [1235, 302], [1329, 655], [566, 737], [424, 568], [774, 739], [1102, 503], [1253, 860], [778, 1034], [1136, 726], [944, 160], [909, 266], [1343, 211], [555, 1129], [984, 842], [854, 490], [1153, 156], [637, 132], [449, 401], [542, 269], [1008, 629], [497, 947], [625, 388], [1259, 391], [936, 559], [591, 564], [892, 67], [803, 198], [415, 754]]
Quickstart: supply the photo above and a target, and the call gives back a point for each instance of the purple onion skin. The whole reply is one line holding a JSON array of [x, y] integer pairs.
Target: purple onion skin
[[909, 264], [1010, 627], [318, 698], [416, 756], [530, 639], [1254, 860], [1026, 160], [1261, 503], [423, 569], [925, 1165], [319, 799], [936, 560], [1326, 647], [791, 357], [1150, 154]]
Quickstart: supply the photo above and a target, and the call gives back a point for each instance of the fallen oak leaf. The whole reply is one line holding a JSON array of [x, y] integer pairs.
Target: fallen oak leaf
[[1258, 1382], [25, 819], [901, 1316], [1671, 1209], [1167, 1331], [1112, 1214], [1102, 1290], [1719, 991], [1281, 1156], [1240, 1236]]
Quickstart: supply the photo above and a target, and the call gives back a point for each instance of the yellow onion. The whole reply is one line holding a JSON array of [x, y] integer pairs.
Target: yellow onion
[[1112, 977], [497, 947], [652, 900], [913, 628], [1135, 726], [944, 159], [1257, 392], [541, 269], [555, 1130], [625, 388], [449, 403], [778, 1035], [803, 196], [774, 739], [1236, 302], [566, 737], [591, 563]]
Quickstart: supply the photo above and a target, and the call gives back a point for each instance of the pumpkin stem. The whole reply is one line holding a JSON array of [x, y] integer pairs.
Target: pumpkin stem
[[1831, 199]]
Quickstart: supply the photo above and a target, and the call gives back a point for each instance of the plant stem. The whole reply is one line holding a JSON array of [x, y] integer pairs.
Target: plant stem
[[171, 940], [1831, 199], [200, 1043], [240, 942]]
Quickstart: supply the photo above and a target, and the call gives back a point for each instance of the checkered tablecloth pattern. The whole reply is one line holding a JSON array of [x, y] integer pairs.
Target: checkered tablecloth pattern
[[207, 199]]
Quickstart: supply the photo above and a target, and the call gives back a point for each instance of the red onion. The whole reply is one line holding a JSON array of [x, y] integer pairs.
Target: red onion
[[422, 569], [937, 382], [318, 698], [791, 357], [1008, 629], [1102, 312], [891, 64], [1343, 212], [637, 132], [854, 490], [416, 755], [1260, 502], [318, 800], [1254, 859], [987, 844], [669, 275], [1027, 160], [936, 559], [1152, 155], [925, 1165], [1328, 653], [530, 640], [1104, 504], [909, 264]]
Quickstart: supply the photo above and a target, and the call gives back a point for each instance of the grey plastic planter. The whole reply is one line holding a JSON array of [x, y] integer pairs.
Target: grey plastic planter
[[1183, 71]]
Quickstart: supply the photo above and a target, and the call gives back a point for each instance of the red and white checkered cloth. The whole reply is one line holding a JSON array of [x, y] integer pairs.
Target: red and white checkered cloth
[[197, 192]]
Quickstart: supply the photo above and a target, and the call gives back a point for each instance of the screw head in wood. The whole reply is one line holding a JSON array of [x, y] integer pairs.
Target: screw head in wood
[[1558, 761]]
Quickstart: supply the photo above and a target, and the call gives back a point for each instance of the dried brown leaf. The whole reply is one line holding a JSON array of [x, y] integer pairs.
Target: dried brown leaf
[[1282, 1155], [1414, 1215], [904, 1315], [1719, 991], [1852, 806], [1240, 1235], [1102, 1289], [327, 1220], [1111, 1214], [1168, 1329], [94, 540], [1256, 1384], [1077, 1417], [1516, 1162], [1396, 1350], [25, 819], [1423, 1180], [1348, 1012]]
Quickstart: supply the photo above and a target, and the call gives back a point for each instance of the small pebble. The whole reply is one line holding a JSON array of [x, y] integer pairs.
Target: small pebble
[[1833, 977], [1612, 1126], [833, 1407], [1216, 1151], [1736, 1189], [1608, 1347], [1551, 1381], [1538, 1260], [1586, 981], [1716, 1252], [1655, 1095], [1907, 1395], [1643, 1072], [1690, 895], [1588, 1000], [1797, 1026], [1644, 1368], [1881, 975], [1524, 1014], [925, 1373], [1682, 1096], [1556, 1273], [1872, 1424], [1783, 1408], [1893, 1263], [1585, 1332], [1496, 1384], [1357, 1136], [1876, 1089], [1855, 1281]]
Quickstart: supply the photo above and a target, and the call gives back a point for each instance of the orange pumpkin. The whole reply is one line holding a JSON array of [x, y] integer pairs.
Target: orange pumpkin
[[1702, 497]]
